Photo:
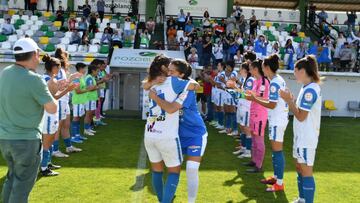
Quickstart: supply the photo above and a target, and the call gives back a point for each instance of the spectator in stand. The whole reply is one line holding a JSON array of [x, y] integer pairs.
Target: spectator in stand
[[314, 49], [294, 31], [181, 20], [48, 5], [253, 25], [301, 51], [238, 10], [86, 9], [238, 58], [230, 24], [172, 44], [242, 24], [325, 28], [322, 16], [261, 47], [208, 75], [289, 54], [206, 20], [181, 44], [60, 15], [85, 38], [109, 29], [188, 46], [207, 51], [101, 9], [193, 58], [106, 37], [72, 24], [145, 39], [7, 28], [188, 27], [240, 41], [198, 44], [351, 20], [249, 47], [345, 56], [33, 6], [312, 14], [339, 43], [27, 5], [117, 39], [233, 47], [92, 26], [150, 25], [275, 49], [75, 37], [83, 26], [335, 21], [188, 17], [171, 32], [127, 28], [170, 23], [325, 55], [218, 52]]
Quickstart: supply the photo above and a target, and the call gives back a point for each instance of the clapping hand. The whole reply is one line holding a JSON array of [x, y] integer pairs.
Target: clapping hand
[[286, 95]]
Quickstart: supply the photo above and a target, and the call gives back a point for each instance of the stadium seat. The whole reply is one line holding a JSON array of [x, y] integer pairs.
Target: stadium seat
[[98, 35], [25, 17], [44, 40], [24, 27], [62, 46], [268, 24], [3, 38], [2, 20], [113, 25], [354, 106], [36, 39], [30, 33], [95, 41], [65, 41], [44, 28], [15, 17], [47, 14], [20, 33], [34, 18], [263, 28], [82, 49], [49, 34], [39, 33], [19, 22], [55, 40], [57, 24], [48, 23], [29, 22], [329, 106], [49, 48], [72, 48], [59, 34], [93, 49], [39, 23], [34, 28], [68, 34], [301, 34], [104, 49], [272, 29], [13, 38], [12, 12], [6, 45]]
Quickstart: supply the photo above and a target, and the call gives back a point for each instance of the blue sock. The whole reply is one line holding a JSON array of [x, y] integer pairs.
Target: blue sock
[[281, 163], [309, 189], [51, 149], [73, 128], [170, 187], [234, 123], [274, 163], [300, 185], [158, 184], [45, 158], [87, 126], [243, 139], [78, 128], [67, 142], [221, 118], [248, 143], [56, 145], [227, 120]]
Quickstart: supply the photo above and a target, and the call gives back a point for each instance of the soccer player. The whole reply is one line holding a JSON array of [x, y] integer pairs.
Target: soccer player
[[161, 130], [243, 113], [192, 129], [102, 78], [219, 97], [51, 121], [278, 120], [78, 100], [258, 115], [92, 97], [307, 118], [64, 108]]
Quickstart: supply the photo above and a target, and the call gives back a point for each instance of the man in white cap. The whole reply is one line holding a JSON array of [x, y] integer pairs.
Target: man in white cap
[[23, 98]]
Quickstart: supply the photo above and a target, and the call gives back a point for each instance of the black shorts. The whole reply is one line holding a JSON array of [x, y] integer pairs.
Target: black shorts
[[200, 97]]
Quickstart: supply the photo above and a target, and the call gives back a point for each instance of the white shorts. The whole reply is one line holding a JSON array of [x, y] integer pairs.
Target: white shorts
[[304, 155], [78, 110], [277, 132], [90, 106], [229, 100], [213, 95], [243, 117], [50, 123], [63, 110], [101, 93], [167, 150], [220, 98]]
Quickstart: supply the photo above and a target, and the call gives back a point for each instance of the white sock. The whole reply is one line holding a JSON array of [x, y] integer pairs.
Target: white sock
[[192, 175], [43, 168], [279, 181]]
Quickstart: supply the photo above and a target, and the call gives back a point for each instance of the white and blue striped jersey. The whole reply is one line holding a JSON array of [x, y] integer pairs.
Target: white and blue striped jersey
[[306, 133], [280, 113], [160, 124], [60, 77]]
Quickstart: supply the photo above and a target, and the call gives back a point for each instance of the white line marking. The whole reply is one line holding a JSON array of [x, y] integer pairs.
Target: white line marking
[[138, 189]]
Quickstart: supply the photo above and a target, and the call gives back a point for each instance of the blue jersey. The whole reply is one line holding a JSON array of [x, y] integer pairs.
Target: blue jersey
[[191, 122]]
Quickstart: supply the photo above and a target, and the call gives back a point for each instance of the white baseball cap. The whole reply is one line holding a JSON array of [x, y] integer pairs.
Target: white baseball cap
[[26, 45]]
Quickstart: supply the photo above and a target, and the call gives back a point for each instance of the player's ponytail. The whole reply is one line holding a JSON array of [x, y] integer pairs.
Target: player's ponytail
[[310, 65], [273, 62], [156, 67], [50, 62]]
